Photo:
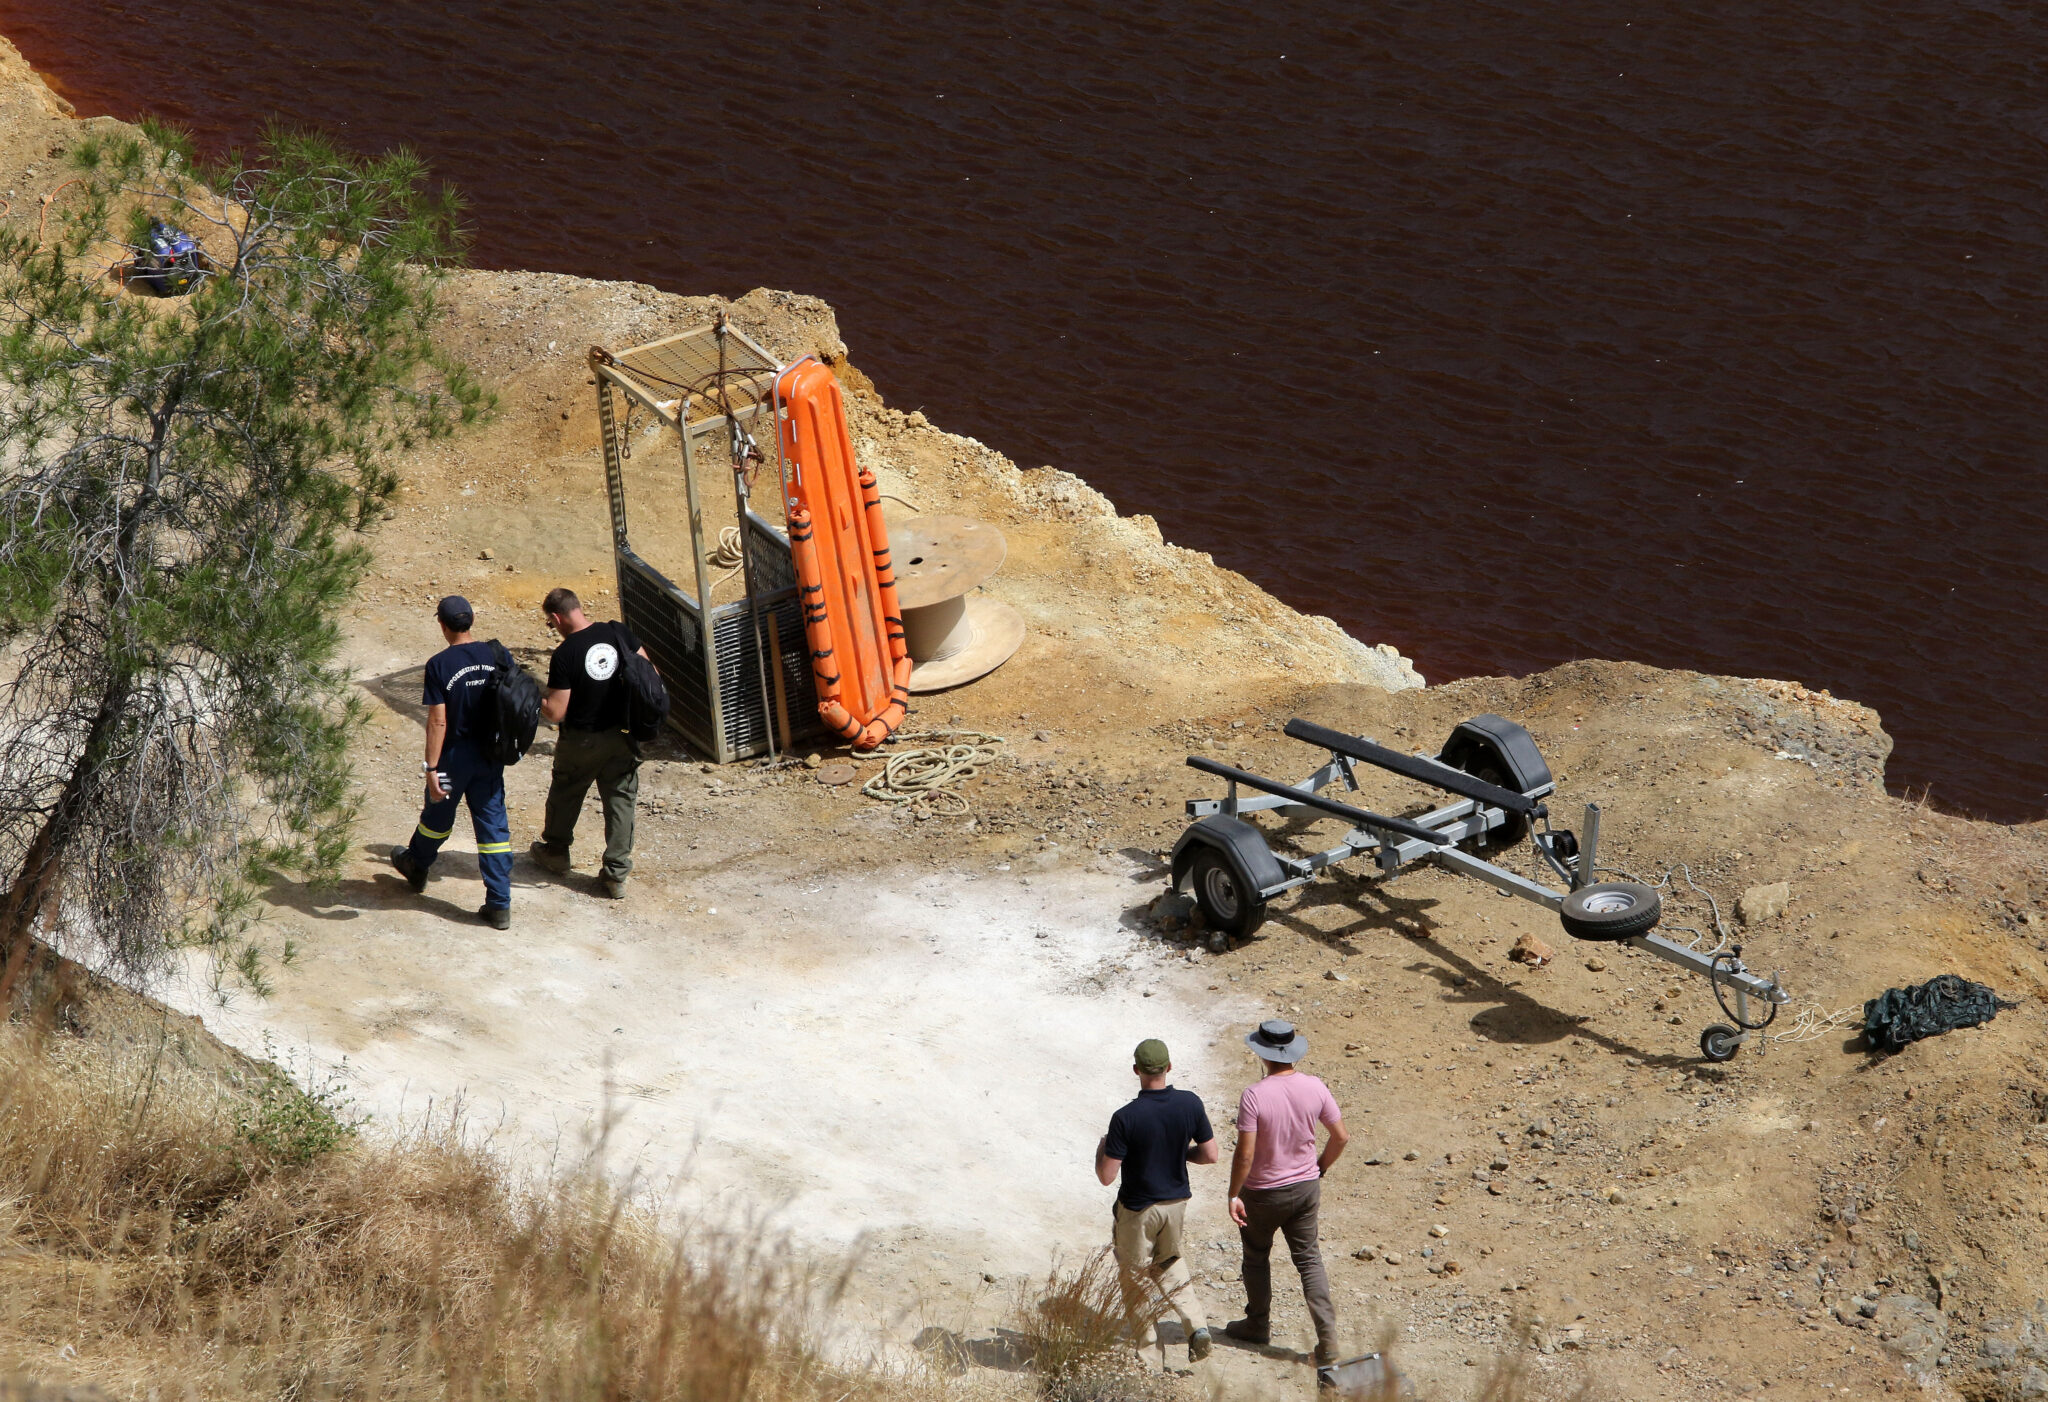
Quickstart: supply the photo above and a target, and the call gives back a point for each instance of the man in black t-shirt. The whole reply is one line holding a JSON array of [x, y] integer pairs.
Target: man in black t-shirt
[[457, 765], [1151, 1142], [587, 698]]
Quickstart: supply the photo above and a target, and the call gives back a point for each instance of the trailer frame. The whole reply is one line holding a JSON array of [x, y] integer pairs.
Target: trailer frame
[[1498, 780]]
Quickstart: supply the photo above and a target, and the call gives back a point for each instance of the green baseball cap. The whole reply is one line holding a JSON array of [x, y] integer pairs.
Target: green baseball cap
[[1151, 1056]]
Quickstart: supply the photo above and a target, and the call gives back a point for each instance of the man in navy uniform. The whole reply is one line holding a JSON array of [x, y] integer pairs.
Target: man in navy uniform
[[458, 766]]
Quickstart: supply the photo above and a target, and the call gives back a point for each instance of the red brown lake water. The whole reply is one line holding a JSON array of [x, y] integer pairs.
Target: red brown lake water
[[1506, 334]]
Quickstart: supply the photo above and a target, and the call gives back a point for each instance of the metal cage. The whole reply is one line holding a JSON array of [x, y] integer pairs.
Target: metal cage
[[710, 654]]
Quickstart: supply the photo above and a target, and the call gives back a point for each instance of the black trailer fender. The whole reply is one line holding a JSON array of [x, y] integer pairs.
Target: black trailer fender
[[1232, 872], [1494, 742], [1241, 844]]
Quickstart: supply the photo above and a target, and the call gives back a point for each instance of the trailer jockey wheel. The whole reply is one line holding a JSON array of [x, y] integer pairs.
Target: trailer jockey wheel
[[1227, 904], [1611, 910], [1720, 1042]]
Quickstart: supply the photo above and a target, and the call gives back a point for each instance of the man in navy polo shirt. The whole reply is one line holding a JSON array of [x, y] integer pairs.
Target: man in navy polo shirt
[[1151, 1142], [457, 766]]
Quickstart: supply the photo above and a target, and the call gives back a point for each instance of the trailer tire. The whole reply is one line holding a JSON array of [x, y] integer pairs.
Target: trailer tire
[[1486, 765], [1227, 902], [1501, 753], [1720, 1042], [1611, 910]]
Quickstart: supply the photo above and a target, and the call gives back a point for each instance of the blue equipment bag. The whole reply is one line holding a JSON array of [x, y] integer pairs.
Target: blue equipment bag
[[169, 263]]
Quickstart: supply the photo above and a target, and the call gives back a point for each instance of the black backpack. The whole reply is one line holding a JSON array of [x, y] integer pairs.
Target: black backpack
[[512, 703], [646, 697]]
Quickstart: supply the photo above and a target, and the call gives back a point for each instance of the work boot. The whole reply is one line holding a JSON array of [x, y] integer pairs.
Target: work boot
[[415, 875], [498, 917], [613, 887], [554, 859], [1198, 1345], [1244, 1331]]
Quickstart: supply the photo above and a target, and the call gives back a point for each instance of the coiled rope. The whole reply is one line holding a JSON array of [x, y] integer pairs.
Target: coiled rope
[[42, 219], [728, 556], [927, 777]]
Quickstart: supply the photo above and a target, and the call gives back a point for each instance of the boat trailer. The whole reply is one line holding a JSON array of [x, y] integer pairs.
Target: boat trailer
[[1498, 780]]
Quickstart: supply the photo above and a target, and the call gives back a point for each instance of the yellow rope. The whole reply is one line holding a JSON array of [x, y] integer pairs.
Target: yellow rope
[[1812, 1024], [727, 556], [926, 777]]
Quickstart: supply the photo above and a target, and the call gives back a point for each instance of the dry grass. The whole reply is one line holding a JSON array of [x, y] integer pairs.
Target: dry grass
[[158, 1225], [1080, 1335], [1079, 1338], [170, 1234]]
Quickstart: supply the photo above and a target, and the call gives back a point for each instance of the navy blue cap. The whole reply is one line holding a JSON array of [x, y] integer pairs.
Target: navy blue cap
[[455, 612]]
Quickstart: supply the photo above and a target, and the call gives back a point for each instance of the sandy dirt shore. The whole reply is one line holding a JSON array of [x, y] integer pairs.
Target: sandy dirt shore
[[901, 1037]]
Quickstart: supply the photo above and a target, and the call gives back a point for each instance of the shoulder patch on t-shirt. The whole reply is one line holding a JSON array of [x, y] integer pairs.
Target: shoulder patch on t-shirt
[[600, 662]]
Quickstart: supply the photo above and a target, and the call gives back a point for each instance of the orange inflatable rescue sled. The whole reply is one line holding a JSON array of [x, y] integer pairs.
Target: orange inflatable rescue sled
[[841, 553]]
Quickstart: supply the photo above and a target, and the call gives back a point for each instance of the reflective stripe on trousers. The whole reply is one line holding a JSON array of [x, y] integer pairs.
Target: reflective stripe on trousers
[[475, 780]]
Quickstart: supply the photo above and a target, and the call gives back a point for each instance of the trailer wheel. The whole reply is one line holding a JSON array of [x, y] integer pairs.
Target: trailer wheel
[[1611, 910], [1227, 904], [1486, 766], [1720, 1042], [1500, 753]]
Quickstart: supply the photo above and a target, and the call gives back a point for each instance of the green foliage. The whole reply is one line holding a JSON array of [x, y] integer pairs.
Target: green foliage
[[182, 490], [290, 1125], [249, 965]]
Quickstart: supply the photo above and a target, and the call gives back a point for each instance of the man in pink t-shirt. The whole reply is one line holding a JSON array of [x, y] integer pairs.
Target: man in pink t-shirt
[[1276, 1185]]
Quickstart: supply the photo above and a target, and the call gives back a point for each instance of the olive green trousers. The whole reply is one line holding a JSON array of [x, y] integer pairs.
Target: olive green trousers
[[610, 760]]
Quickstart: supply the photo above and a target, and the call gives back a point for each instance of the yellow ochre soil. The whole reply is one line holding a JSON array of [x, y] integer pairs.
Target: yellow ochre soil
[[901, 1036]]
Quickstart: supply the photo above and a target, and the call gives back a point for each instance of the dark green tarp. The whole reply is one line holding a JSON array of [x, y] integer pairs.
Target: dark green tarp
[[1943, 1003]]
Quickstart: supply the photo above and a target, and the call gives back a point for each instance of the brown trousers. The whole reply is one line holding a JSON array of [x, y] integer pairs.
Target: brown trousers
[[1290, 1211]]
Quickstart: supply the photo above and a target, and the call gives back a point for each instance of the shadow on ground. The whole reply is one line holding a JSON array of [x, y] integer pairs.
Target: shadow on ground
[[400, 691]]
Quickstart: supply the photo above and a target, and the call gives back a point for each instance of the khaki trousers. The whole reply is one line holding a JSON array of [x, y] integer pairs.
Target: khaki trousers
[[1152, 1270]]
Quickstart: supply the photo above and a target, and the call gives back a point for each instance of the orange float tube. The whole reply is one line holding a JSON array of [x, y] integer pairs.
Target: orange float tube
[[841, 552]]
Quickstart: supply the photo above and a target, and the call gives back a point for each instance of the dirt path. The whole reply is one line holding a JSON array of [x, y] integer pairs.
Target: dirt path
[[912, 1062]]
